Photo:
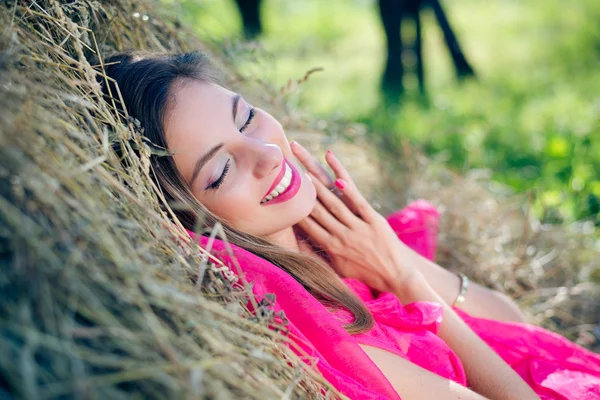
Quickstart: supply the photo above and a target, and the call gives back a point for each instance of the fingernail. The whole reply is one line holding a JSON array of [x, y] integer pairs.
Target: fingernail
[[329, 152], [340, 183]]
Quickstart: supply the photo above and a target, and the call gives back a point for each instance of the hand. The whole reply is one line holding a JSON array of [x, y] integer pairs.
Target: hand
[[357, 239], [316, 169]]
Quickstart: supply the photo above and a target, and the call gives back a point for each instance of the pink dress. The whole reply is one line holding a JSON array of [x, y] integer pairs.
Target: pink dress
[[408, 331], [553, 366]]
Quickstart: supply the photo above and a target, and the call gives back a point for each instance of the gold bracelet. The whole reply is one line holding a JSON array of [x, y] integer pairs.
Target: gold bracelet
[[464, 285]]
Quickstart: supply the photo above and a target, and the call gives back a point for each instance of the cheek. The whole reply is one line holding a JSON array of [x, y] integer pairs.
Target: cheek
[[233, 206], [305, 200], [311, 191]]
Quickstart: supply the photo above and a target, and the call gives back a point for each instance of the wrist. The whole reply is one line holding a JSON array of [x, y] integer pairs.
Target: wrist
[[407, 284], [405, 267]]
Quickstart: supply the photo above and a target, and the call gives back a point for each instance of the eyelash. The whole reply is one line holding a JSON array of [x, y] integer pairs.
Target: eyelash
[[250, 118], [215, 185]]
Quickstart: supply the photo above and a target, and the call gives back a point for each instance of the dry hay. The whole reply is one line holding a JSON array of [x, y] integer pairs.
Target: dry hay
[[100, 294]]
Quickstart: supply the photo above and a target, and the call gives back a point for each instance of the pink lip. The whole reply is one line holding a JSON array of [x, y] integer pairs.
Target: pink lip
[[277, 179], [291, 190]]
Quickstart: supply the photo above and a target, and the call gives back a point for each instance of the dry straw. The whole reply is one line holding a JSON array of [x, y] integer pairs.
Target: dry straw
[[101, 296]]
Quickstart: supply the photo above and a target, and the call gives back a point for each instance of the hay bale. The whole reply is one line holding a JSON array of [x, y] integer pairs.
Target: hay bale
[[101, 296]]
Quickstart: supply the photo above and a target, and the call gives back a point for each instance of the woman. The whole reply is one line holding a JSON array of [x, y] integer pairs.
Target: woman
[[231, 162]]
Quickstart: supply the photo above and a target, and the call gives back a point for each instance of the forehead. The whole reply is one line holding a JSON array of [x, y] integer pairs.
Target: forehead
[[199, 111]]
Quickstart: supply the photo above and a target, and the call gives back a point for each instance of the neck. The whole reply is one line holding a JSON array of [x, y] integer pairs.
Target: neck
[[286, 239], [293, 239]]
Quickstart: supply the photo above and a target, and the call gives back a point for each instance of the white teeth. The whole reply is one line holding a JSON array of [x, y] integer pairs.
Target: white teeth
[[282, 186]]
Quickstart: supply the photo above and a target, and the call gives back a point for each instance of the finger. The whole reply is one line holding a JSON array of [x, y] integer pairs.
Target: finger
[[311, 164], [347, 187], [337, 167], [327, 220], [334, 204], [319, 171], [315, 231]]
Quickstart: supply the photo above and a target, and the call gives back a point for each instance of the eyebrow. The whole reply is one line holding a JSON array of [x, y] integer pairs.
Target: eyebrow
[[203, 160], [236, 100]]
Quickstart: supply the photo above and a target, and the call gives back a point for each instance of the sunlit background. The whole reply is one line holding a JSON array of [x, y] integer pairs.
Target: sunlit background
[[531, 117]]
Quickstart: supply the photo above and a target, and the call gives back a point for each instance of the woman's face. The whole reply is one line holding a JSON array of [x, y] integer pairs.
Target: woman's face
[[236, 160]]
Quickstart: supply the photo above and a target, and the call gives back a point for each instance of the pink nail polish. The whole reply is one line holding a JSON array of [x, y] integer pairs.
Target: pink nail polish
[[329, 152], [340, 183]]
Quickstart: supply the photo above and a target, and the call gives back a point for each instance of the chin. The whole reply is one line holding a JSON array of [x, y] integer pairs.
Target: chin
[[302, 204]]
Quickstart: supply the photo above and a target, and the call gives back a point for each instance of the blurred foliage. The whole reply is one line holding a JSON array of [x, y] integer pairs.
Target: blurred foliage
[[531, 118]]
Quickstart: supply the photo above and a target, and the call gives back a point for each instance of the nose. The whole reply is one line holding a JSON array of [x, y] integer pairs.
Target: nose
[[267, 157]]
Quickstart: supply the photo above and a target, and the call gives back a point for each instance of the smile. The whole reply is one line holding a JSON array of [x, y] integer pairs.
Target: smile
[[286, 185]]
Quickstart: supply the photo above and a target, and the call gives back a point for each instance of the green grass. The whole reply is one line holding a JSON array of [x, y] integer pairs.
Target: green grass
[[532, 117]]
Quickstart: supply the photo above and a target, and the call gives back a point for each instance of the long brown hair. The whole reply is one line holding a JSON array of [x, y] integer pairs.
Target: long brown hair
[[146, 82]]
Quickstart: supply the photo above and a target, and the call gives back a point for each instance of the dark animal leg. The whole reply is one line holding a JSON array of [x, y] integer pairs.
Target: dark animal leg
[[250, 12], [463, 69], [392, 12], [414, 13]]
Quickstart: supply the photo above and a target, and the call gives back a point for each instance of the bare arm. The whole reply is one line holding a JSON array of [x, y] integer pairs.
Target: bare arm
[[412, 382], [479, 302], [488, 374]]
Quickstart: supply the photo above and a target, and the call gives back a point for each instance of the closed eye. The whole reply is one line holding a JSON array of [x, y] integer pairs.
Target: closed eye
[[216, 184], [251, 115]]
